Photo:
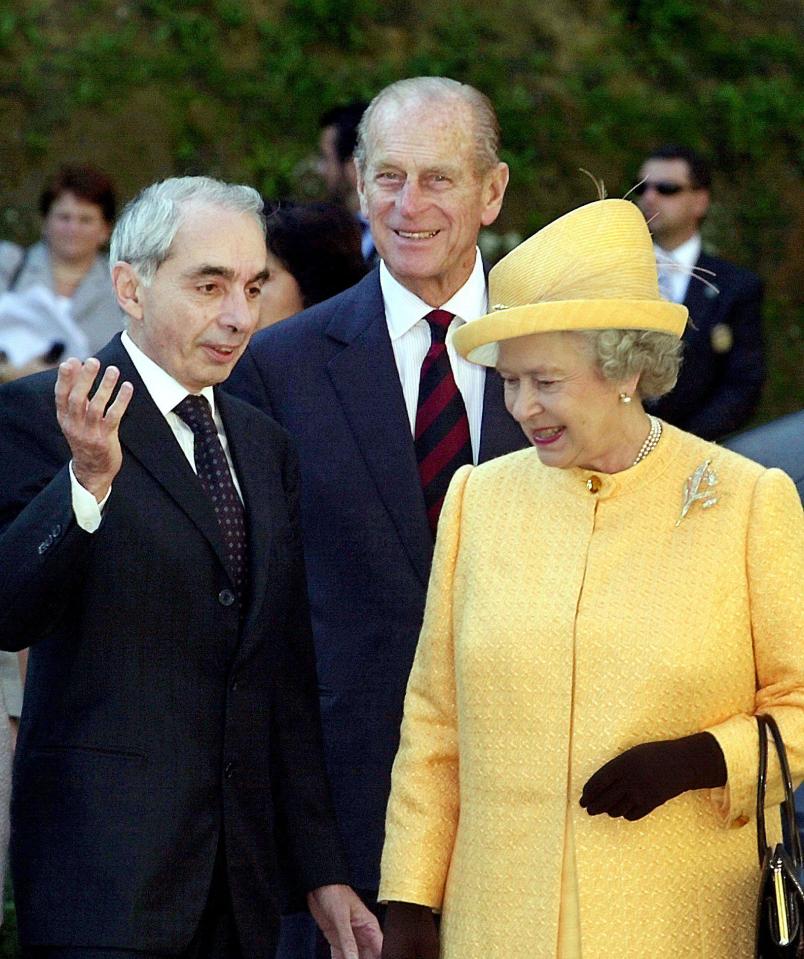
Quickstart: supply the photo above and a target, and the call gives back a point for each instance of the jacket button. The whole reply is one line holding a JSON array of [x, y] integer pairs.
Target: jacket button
[[226, 597], [228, 770], [593, 484]]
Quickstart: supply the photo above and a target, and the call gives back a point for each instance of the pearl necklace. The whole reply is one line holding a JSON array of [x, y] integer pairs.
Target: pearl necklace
[[651, 440]]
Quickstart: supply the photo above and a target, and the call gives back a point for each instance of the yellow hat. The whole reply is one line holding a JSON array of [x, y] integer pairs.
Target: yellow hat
[[591, 269]]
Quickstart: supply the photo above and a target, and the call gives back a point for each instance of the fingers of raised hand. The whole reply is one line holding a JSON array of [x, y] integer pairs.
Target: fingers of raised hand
[[80, 414], [73, 383], [100, 410], [65, 380], [90, 422]]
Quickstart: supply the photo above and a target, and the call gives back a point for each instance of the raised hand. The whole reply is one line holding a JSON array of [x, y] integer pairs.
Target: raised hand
[[90, 425]]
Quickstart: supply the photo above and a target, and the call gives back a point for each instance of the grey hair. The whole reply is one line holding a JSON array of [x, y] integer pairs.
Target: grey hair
[[436, 90], [620, 354], [148, 225]]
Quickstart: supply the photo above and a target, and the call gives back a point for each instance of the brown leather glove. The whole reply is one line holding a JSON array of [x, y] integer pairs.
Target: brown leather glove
[[644, 777], [409, 932]]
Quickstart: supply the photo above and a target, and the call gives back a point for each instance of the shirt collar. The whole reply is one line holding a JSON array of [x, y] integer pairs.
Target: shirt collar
[[404, 309], [165, 391], [687, 254]]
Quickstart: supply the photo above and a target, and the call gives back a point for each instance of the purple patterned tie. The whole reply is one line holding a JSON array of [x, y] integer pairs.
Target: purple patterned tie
[[216, 478]]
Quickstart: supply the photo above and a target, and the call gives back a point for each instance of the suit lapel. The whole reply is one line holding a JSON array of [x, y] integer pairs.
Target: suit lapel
[[365, 379], [145, 434]]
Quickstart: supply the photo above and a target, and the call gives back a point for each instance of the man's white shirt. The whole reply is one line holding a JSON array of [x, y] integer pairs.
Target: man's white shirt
[[410, 340], [676, 274]]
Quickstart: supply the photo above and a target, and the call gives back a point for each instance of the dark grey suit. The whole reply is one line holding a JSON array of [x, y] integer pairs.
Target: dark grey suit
[[159, 723]]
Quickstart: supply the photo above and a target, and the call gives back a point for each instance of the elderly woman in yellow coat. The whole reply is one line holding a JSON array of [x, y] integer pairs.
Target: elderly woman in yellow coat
[[607, 612]]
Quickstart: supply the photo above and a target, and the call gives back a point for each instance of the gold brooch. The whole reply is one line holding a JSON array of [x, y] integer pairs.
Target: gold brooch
[[693, 493]]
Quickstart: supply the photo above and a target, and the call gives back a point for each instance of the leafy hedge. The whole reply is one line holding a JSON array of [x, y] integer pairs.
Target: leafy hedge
[[235, 88]]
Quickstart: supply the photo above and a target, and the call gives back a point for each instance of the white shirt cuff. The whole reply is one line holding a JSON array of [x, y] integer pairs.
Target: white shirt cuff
[[86, 508]]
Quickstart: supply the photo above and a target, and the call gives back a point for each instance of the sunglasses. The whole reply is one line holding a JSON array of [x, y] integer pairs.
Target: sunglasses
[[662, 187]]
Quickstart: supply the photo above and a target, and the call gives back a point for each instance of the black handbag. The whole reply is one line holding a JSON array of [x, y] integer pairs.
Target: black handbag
[[780, 905]]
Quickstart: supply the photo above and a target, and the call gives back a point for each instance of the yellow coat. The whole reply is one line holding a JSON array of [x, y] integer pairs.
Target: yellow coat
[[564, 626]]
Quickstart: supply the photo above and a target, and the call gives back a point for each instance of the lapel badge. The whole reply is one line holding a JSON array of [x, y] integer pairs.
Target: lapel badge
[[699, 488], [721, 338]]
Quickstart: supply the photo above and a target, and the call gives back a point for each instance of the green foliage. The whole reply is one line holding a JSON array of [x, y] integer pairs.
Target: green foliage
[[147, 88]]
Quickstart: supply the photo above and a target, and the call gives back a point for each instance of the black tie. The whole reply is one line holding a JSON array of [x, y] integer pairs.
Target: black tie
[[442, 428], [216, 478]]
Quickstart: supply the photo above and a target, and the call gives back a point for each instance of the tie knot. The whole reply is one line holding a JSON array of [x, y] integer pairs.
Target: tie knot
[[194, 410], [439, 321]]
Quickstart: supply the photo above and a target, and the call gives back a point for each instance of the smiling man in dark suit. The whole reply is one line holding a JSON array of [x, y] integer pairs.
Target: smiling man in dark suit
[[383, 412], [723, 365], [169, 755]]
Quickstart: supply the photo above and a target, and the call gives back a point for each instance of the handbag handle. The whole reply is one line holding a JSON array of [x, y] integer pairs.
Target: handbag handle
[[767, 724]]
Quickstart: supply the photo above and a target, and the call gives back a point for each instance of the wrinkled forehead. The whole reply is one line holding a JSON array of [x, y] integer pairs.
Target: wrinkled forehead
[[444, 120], [211, 233], [544, 352]]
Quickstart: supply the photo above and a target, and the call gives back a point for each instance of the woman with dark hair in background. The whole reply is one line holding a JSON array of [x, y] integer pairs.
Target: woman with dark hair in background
[[66, 268], [56, 299], [313, 253]]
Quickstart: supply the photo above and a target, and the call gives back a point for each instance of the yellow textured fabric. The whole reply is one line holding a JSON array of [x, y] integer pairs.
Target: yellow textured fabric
[[563, 627]]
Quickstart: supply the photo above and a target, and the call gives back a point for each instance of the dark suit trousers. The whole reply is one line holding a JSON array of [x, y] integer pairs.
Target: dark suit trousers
[[215, 938]]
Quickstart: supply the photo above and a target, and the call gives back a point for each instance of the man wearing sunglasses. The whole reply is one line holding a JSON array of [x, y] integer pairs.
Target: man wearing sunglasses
[[723, 370]]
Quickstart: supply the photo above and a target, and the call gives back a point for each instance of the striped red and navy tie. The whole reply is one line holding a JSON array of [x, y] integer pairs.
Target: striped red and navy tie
[[442, 428]]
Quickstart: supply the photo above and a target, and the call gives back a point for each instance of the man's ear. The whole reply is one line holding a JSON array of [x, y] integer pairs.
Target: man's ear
[[494, 185], [128, 289], [350, 172], [701, 203], [360, 186]]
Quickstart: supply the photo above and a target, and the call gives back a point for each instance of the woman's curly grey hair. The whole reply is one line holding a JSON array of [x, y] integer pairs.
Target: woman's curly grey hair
[[620, 354]]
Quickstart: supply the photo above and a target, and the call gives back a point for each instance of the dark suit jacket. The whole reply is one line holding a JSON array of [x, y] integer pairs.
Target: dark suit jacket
[[328, 376], [723, 365], [157, 721]]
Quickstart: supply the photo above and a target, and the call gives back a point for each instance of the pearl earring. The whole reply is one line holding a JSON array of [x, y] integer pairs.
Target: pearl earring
[[625, 398]]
